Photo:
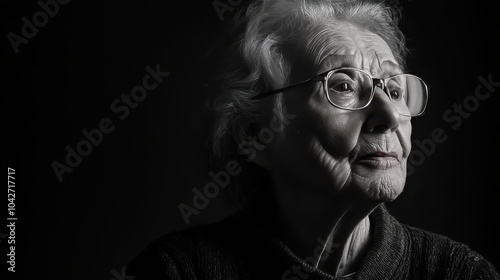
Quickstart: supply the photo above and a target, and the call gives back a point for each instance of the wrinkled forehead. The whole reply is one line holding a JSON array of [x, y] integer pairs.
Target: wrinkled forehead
[[342, 44]]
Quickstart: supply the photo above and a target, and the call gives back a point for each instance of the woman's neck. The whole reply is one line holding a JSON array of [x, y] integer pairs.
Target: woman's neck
[[334, 230]]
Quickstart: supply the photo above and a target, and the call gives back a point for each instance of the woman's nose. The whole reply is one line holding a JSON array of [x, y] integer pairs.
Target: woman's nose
[[383, 116]]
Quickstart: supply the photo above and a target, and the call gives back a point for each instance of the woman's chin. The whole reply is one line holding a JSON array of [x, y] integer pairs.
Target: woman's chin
[[383, 187]]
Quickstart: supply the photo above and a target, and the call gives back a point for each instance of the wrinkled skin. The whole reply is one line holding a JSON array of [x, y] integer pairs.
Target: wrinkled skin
[[332, 166], [324, 149]]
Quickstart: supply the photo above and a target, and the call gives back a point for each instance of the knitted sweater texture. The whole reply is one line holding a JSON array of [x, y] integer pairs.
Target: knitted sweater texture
[[242, 248]]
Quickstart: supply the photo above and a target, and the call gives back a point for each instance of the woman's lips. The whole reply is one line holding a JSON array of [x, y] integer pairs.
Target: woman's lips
[[379, 159], [379, 155]]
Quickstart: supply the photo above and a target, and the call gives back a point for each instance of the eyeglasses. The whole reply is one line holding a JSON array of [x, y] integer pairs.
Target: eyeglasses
[[353, 89]]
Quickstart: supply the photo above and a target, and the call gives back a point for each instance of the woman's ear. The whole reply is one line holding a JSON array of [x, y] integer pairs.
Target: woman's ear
[[250, 147]]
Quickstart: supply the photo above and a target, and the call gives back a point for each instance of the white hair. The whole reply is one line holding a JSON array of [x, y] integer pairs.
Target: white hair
[[256, 60]]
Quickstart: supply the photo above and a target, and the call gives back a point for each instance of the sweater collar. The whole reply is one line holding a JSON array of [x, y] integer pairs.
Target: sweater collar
[[382, 259]]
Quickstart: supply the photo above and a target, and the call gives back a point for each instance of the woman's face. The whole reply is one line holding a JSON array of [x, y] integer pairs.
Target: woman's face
[[327, 149]]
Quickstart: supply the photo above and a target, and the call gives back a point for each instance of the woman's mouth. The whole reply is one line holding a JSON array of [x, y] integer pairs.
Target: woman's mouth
[[379, 159]]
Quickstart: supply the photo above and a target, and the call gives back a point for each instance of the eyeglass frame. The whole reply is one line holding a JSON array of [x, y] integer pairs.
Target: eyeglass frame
[[376, 82]]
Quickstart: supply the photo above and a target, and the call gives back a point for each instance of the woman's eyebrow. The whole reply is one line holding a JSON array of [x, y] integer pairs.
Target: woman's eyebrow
[[339, 60], [382, 68], [390, 67], [386, 67]]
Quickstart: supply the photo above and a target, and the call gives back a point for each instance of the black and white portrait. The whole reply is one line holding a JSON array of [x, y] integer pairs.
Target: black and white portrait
[[262, 139]]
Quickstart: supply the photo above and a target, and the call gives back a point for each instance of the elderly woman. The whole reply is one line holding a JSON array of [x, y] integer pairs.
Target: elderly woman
[[316, 97]]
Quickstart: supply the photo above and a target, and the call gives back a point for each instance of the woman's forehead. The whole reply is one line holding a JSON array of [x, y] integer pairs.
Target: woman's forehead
[[378, 64], [350, 46]]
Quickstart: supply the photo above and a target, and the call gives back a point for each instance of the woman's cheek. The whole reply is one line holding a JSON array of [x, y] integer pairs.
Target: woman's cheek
[[339, 134], [404, 135]]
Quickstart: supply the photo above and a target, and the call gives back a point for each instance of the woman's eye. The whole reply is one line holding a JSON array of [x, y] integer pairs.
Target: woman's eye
[[395, 94], [343, 87]]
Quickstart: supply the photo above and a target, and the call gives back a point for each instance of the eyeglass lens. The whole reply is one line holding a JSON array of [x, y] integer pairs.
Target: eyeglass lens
[[352, 89]]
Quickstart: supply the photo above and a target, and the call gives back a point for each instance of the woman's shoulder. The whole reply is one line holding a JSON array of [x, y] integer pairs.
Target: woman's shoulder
[[434, 242], [215, 234], [443, 255], [211, 248], [423, 254]]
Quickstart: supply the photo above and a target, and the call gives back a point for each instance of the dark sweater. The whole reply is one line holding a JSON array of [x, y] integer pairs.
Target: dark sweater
[[239, 247]]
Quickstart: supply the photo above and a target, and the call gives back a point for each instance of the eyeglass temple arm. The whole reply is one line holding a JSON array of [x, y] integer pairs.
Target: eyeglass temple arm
[[268, 93]]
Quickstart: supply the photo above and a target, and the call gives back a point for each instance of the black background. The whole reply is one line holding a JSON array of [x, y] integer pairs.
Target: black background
[[125, 193]]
